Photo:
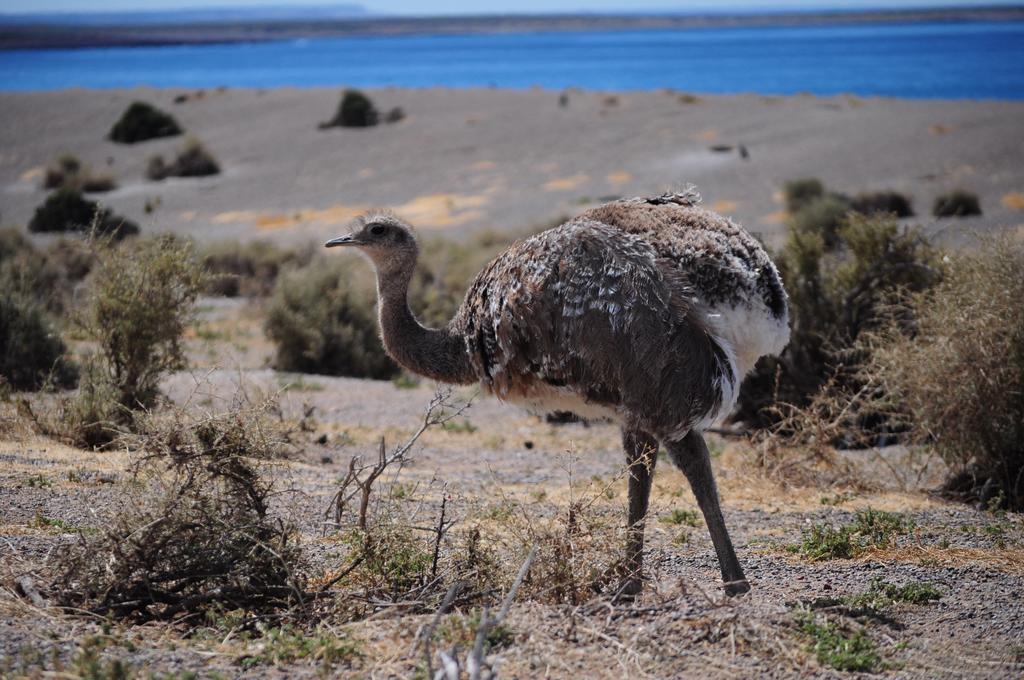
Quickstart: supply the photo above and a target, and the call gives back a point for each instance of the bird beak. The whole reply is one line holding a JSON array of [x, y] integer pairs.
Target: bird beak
[[347, 240]]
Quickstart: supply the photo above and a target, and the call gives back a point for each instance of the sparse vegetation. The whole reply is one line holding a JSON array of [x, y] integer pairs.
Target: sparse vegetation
[[838, 648], [869, 529], [957, 378], [66, 210], [142, 121], [197, 538], [193, 160], [956, 203], [248, 269]]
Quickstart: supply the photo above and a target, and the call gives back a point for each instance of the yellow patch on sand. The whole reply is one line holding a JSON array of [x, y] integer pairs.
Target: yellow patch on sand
[[709, 135], [442, 210], [1013, 200], [777, 217], [724, 206], [483, 165], [31, 174], [235, 216], [940, 129], [431, 210], [566, 183], [617, 178]]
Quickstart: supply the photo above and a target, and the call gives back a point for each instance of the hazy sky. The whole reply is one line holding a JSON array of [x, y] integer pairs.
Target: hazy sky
[[485, 6]]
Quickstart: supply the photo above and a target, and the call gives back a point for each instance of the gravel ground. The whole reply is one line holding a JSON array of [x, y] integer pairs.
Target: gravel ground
[[682, 626]]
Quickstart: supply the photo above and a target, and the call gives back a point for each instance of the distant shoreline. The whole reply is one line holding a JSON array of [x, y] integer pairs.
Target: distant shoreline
[[18, 36]]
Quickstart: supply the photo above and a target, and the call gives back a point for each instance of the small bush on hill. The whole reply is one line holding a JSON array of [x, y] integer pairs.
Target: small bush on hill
[[193, 160], [142, 121], [322, 319], [800, 192], [957, 203], [66, 210], [355, 110], [890, 202], [958, 377], [68, 172], [32, 355]]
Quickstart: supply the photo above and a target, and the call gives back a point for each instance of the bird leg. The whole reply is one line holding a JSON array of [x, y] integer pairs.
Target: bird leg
[[641, 456], [691, 455]]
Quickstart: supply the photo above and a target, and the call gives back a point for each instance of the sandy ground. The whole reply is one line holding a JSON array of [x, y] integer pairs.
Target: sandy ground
[[484, 158]]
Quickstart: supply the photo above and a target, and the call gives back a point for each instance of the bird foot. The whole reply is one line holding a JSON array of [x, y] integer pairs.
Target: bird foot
[[734, 588]]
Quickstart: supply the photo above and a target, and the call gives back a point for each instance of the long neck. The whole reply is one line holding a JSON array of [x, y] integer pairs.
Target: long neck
[[438, 354]]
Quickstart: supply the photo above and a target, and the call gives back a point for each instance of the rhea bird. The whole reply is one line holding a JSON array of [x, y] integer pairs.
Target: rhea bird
[[644, 311]]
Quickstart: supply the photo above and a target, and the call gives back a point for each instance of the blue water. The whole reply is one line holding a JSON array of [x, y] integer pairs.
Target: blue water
[[925, 60]]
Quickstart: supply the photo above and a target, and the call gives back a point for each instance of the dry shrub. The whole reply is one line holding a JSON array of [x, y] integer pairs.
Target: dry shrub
[[835, 294], [195, 536], [249, 269], [322, 319], [139, 300], [579, 542], [958, 375]]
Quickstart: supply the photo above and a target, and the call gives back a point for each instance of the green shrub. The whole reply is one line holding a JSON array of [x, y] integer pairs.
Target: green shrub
[[822, 216], [193, 160], [956, 203], [32, 355], [140, 122], [141, 299], [870, 528], [835, 647], [835, 295], [799, 192], [355, 110], [66, 210], [958, 377], [322, 319], [889, 202]]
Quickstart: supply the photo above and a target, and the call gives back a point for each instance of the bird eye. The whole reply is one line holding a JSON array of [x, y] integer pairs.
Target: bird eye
[[377, 230]]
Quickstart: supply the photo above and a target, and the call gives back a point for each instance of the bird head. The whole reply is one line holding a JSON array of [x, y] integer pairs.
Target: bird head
[[381, 236]]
